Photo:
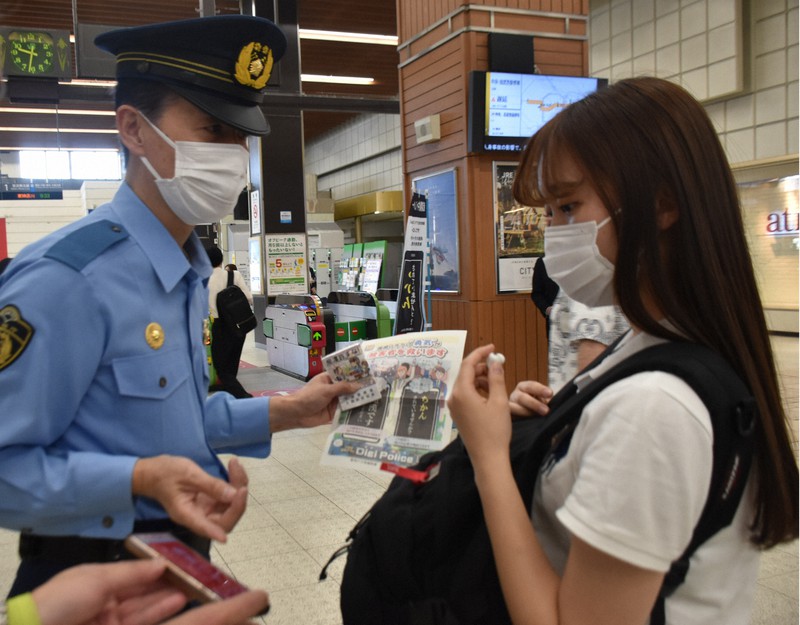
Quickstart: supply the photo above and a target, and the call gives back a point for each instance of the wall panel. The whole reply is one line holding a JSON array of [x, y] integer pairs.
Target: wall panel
[[434, 79]]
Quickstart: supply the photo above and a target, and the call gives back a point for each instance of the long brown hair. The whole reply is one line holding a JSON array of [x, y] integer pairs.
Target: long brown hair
[[645, 143]]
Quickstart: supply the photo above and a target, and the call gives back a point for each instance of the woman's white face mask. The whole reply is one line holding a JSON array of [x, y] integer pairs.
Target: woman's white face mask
[[208, 178], [574, 262]]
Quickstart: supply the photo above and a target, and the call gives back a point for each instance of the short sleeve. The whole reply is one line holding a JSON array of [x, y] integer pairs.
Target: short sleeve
[[643, 455]]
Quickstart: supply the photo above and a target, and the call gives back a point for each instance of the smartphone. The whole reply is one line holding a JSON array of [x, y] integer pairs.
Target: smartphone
[[187, 569]]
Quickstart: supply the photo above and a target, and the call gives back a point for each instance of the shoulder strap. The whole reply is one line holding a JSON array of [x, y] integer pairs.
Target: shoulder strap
[[230, 277], [83, 245], [733, 414]]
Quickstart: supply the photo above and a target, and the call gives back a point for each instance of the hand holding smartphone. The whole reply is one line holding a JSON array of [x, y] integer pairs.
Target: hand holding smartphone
[[187, 569]]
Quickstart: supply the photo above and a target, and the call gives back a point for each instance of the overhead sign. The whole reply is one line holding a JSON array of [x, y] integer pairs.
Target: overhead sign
[[30, 190]]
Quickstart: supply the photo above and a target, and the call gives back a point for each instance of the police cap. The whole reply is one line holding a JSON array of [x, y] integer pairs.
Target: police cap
[[221, 64]]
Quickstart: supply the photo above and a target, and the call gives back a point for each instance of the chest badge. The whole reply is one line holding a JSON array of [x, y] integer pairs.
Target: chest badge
[[154, 335], [15, 334]]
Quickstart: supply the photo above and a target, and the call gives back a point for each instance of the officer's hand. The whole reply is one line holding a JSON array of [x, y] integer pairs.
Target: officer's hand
[[204, 504], [227, 515], [131, 593], [314, 404]]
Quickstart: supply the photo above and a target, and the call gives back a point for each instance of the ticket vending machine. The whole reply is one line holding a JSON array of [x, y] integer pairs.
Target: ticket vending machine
[[299, 332]]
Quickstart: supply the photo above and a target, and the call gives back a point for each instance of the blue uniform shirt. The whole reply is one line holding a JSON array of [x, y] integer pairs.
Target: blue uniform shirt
[[88, 385]]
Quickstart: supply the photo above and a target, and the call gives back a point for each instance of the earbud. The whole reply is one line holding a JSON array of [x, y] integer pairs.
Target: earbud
[[493, 358]]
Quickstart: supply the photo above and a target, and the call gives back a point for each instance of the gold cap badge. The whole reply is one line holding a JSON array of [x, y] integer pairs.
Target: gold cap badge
[[254, 65], [154, 335]]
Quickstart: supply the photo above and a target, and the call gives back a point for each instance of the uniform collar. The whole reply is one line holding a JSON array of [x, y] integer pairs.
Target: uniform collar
[[168, 260]]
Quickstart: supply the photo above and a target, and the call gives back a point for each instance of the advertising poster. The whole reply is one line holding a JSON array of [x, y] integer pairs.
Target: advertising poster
[[286, 263], [440, 190], [519, 233], [254, 274]]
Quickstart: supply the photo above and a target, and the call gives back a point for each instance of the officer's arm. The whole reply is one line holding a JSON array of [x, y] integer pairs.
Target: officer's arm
[[53, 335]]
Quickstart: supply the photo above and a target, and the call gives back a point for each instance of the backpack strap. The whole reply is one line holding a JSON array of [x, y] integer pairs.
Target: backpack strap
[[733, 413], [230, 277]]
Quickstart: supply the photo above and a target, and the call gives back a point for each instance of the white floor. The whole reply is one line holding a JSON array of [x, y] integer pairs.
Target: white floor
[[300, 512]]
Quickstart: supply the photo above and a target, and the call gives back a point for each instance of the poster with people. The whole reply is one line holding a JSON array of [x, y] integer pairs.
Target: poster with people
[[409, 417]]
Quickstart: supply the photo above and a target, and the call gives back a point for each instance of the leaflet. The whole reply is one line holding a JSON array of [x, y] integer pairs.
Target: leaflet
[[412, 374]]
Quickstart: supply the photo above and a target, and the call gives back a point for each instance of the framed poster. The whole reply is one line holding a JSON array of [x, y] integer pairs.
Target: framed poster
[[519, 233], [254, 250], [440, 190], [286, 263]]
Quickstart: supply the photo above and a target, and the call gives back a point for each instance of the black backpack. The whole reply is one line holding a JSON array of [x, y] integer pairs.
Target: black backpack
[[422, 556], [234, 309]]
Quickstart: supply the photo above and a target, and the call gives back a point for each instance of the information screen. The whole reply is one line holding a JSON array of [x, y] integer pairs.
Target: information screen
[[519, 104], [507, 109]]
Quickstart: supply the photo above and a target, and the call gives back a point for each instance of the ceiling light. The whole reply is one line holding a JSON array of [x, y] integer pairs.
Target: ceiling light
[[332, 35], [12, 109], [79, 130], [89, 83], [341, 80], [16, 148]]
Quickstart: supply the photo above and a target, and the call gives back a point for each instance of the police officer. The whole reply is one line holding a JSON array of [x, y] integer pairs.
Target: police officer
[[106, 424]]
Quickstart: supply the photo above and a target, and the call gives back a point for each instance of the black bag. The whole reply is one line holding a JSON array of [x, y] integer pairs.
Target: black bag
[[422, 556], [234, 309]]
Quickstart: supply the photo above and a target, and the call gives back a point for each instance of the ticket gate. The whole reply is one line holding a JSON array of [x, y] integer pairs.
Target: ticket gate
[[298, 331], [358, 316]]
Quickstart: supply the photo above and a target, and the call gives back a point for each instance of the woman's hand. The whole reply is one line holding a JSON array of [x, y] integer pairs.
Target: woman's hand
[[530, 399], [480, 408], [131, 593]]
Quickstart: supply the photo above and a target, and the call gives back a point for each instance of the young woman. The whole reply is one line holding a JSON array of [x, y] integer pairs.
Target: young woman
[[644, 213]]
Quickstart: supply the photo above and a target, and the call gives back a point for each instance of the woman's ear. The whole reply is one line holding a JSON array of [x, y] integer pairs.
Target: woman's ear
[[667, 213], [129, 127]]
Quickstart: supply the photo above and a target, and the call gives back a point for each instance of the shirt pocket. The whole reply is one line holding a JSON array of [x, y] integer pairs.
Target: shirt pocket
[[150, 376]]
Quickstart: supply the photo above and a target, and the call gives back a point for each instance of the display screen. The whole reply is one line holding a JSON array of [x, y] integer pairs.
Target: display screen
[[506, 109]]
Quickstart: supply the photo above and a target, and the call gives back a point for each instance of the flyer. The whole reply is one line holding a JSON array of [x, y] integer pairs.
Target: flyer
[[413, 373]]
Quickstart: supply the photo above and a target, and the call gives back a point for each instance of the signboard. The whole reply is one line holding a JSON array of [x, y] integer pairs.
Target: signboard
[[410, 315], [255, 212], [286, 263], [30, 190]]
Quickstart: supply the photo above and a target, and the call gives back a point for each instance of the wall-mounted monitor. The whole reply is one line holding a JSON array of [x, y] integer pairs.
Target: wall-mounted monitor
[[506, 109]]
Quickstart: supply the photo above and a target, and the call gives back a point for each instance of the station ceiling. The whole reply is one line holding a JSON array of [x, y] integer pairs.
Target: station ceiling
[[336, 104]]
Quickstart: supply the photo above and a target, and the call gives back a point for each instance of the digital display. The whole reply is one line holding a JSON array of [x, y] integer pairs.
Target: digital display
[[507, 109], [31, 195]]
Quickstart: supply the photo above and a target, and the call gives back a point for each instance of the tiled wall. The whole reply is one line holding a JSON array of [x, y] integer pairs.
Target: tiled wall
[[361, 156], [703, 45]]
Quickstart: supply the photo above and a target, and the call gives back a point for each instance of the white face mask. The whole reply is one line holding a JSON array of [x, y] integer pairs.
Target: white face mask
[[208, 178], [573, 260]]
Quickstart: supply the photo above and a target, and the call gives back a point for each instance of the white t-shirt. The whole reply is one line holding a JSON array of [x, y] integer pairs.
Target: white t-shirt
[[633, 484], [219, 281]]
